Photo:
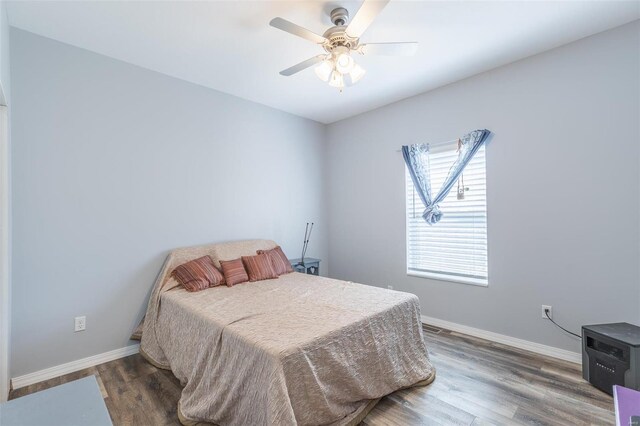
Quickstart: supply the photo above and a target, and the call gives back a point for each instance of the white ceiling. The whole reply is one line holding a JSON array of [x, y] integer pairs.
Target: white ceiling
[[229, 46]]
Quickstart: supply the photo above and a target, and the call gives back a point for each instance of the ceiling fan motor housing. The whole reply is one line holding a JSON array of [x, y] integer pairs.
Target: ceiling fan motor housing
[[336, 35]]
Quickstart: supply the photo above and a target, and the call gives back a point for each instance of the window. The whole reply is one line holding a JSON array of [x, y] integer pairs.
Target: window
[[454, 249]]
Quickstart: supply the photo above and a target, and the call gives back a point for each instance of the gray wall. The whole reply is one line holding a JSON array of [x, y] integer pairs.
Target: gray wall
[[563, 190], [113, 166]]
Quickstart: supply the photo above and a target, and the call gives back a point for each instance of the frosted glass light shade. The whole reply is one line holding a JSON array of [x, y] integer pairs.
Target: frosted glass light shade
[[344, 63], [323, 71], [336, 80]]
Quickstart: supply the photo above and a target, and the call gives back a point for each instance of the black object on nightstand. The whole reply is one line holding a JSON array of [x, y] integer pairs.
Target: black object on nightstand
[[311, 266], [611, 355]]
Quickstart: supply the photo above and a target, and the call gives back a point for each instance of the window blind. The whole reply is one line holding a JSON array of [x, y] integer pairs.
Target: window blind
[[456, 247]]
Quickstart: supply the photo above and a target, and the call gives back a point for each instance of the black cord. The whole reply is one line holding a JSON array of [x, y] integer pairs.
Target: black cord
[[546, 312]]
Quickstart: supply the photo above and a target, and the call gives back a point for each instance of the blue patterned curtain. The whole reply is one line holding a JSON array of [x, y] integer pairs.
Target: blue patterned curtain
[[417, 159]]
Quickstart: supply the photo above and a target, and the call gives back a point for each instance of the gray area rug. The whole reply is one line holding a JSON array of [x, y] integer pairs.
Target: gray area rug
[[75, 403]]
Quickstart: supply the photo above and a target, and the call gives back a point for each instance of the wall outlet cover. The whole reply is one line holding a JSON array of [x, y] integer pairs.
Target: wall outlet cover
[[80, 323], [550, 308]]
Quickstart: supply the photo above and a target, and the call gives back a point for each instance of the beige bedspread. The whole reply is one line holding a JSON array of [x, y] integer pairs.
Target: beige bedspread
[[299, 349]]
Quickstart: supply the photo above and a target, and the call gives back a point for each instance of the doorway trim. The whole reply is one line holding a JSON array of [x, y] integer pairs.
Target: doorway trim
[[5, 294]]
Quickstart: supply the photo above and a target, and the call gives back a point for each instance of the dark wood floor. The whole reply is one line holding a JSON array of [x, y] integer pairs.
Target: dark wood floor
[[478, 382]]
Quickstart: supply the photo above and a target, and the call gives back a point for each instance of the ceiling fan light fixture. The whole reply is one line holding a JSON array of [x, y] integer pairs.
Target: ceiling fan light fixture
[[324, 70]]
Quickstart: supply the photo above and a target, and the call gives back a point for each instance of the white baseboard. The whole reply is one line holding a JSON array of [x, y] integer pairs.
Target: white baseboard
[[506, 340], [70, 367]]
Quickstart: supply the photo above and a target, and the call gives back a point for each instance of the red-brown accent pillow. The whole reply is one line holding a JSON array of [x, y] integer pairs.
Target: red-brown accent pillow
[[259, 267], [198, 274], [279, 261], [234, 272]]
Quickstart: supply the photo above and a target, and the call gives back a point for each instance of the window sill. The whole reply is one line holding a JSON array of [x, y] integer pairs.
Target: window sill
[[442, 277]]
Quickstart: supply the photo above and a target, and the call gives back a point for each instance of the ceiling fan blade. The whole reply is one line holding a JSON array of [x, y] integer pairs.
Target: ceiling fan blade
[[290, 27], [365, 16], [390, 49], [302, 65]]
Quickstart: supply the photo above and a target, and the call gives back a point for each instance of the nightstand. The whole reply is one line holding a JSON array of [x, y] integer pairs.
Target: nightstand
[[311, 266]]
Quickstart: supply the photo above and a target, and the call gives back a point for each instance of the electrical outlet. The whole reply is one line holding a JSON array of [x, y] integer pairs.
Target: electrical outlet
[[390, 287], [80, 323], [549, 308]]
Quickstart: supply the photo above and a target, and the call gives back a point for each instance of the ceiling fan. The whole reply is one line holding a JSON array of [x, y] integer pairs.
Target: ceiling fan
[[336, 66]]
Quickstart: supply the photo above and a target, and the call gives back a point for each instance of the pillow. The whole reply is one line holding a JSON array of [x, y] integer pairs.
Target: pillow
[[198, 274], [279, 261], [234, 272], [259, 267]]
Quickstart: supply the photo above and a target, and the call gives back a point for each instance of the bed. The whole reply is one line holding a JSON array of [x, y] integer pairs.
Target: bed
[[299, 349]]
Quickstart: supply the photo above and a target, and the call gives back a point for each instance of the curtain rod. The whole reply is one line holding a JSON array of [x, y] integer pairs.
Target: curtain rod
[[438, 143]]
